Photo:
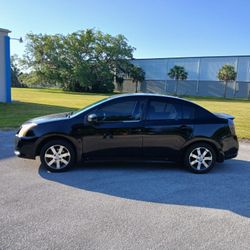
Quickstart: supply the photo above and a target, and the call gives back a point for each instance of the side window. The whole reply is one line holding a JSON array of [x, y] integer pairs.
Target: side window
[[203, 114], [163, 110], [188, 112], [120, 111]]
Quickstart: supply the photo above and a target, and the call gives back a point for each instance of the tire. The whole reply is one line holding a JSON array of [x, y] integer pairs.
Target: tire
[[200, 158], [57, 155]]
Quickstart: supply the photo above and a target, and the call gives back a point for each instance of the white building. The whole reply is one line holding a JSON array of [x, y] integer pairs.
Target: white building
[[5, 72], [202, 76]]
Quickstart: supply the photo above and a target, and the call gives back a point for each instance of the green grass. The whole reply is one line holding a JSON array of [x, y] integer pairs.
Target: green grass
[[29, 103], [240, 109]]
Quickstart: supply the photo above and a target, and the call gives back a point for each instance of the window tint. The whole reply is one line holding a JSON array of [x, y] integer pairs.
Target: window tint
[[120, 111], [162, 110], [188, 112], [203, 114]]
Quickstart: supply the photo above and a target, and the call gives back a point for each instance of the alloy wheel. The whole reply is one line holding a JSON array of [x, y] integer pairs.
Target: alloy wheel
[[200, 158], [57, 157]]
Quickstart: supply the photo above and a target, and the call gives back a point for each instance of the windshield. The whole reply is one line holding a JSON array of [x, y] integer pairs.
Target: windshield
[[86, 108]]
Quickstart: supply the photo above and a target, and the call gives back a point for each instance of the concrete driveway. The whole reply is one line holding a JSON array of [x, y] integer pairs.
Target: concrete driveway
[[123, 206]]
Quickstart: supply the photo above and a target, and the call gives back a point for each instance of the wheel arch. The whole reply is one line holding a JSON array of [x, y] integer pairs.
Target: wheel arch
[[216, 147], [45, 139]]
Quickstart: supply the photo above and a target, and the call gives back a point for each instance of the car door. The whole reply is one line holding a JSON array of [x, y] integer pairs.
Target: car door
[[117, 132], [166, 129]]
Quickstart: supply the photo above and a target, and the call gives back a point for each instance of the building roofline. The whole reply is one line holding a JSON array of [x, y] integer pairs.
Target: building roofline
[[188, 57], [5, 30]]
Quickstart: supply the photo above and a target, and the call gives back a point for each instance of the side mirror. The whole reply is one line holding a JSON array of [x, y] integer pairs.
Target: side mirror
[[92, 118]]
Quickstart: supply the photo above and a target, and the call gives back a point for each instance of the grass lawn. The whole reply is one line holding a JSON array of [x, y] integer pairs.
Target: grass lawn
[[29, 103]]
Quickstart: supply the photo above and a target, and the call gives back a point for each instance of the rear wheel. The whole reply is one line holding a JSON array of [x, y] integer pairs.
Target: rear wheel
[[200, 158], [57, 155]]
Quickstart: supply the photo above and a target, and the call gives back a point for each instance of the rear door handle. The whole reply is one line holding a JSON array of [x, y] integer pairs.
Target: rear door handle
[[184, 126]]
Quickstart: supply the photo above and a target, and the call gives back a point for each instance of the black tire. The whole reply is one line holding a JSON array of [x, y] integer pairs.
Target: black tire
[[65, 153], [196, 162]]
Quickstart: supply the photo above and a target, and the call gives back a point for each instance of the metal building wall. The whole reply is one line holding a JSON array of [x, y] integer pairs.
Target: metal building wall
[[202, 76]]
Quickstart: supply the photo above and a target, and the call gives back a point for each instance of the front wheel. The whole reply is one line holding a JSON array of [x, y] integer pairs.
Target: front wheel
[[57, 155], [200, 158]]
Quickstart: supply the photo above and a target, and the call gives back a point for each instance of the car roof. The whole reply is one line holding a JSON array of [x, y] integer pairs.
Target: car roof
[[148, 95]]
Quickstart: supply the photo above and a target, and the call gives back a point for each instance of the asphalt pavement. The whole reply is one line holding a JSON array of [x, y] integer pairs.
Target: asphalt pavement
[[123, 206]]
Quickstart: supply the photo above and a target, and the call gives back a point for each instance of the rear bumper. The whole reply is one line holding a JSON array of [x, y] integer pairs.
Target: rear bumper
[[230, 147], [231, 155], [25, 147]]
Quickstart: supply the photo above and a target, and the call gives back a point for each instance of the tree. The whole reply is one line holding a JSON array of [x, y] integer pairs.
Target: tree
[[15, 71], [81, 61], [137, 74], [177, 73], [227, 73], [31, 79], [119, 81]]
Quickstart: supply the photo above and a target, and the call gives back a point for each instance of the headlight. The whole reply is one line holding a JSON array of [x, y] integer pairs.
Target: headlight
[[25, 128]]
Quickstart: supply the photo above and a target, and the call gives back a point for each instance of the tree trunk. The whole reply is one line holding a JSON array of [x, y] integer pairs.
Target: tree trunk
[[119, 87], [225, 89], [136, 86]]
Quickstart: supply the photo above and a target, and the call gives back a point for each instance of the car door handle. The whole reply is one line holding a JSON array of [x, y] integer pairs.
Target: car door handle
[[107, 136], [184, 127], [138, 130]]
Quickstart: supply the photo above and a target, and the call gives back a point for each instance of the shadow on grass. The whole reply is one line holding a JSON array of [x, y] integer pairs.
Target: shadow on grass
[[226, 187], [60, 91], [14, 114]]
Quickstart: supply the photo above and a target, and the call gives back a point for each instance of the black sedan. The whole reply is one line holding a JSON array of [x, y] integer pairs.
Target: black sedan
[[131, 127]]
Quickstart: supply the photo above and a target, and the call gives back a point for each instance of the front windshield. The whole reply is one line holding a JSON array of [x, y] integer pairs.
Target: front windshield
[[92, 105]]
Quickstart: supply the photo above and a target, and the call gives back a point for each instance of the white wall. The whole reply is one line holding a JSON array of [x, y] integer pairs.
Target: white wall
[[3, 97], [198, 68]]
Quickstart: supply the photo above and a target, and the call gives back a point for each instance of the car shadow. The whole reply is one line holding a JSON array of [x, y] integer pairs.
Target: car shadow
[[225, 187]]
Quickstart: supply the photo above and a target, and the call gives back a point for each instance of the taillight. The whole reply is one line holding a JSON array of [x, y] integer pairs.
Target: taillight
[[231, 126]]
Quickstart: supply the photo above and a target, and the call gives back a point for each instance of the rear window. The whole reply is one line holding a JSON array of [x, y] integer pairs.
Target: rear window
[[163, 110], [203, 114]]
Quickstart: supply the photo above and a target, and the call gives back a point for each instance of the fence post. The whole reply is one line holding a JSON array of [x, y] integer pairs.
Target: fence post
[[198, 77], [237, 62], [166, 86]]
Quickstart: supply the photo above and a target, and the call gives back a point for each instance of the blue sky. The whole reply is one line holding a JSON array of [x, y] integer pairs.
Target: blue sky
[[157, 28]]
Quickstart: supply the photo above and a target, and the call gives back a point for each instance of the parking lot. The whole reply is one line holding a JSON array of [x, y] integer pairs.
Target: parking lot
[[123, 206]]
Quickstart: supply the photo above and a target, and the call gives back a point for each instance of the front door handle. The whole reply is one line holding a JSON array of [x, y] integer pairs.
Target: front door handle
[[138, 130]]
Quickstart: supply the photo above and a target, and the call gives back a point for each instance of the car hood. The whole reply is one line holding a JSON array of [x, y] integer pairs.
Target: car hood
[[50, 118]]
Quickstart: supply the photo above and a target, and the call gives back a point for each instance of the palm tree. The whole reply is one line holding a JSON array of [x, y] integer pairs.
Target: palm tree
[[137, 74], [227, 73], [178, 73]]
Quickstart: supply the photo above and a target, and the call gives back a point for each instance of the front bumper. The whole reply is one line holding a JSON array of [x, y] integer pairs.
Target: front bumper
[[25, 147]]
